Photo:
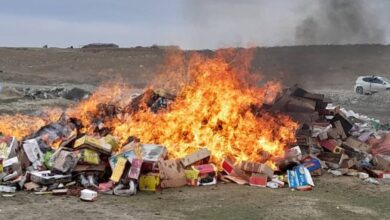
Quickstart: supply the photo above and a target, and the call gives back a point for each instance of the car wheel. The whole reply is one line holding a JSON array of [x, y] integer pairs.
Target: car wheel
[[359, 90]]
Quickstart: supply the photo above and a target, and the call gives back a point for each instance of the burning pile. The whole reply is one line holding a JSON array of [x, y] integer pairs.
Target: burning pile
[[216, 120], [218, 108]]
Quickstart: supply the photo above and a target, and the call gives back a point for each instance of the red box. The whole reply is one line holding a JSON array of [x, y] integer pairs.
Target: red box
[[259, 180]]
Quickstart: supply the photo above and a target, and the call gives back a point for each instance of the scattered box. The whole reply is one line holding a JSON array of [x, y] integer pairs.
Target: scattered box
[[300, 178], [207, 174], [258, 180], [196, 156], [257, 168]]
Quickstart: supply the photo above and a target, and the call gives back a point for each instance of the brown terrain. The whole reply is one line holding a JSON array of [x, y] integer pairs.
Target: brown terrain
[[331, 70]]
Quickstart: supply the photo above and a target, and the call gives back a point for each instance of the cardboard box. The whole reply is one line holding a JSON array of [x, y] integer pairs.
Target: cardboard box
[[171, 173], [257, 168], [135, 169], [64, 161], [348, 163], [88, 156], [230, 168], [192, 177], [170, 169], [331, 157], [332, 146], [340, 130], [118, 170], [259, 180], [196, 156], [153, 152], [382, 162], [34, 154], [48, 178], [149, 182], [356, 144], [300, 178], [92, 143], [173, 183], [312, 164], [207, 174]]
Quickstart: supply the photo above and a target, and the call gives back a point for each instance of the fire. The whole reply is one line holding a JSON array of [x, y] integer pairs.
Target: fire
[[214, 110], [20, 126], [218, 105]]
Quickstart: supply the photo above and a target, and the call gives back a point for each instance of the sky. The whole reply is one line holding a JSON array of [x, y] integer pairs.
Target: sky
[[193, 24]]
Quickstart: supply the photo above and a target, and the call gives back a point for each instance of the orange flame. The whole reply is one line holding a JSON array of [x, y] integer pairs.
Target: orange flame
[[218, 106]]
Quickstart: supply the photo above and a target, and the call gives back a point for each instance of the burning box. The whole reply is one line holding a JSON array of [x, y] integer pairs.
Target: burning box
[[149, 182], [300, 178], [196, 156], [257, 168], [207, 174], [259, 180], [98, 145]]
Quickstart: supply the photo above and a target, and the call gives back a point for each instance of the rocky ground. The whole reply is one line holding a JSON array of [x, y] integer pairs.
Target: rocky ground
[[332, 197]]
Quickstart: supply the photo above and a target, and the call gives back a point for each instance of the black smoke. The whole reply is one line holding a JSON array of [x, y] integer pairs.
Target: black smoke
[[340, 22]]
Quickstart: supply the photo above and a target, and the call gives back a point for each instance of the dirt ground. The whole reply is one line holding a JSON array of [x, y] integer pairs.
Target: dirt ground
[[331, 198]]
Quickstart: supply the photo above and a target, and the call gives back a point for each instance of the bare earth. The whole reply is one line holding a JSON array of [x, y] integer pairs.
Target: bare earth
[[326, 69]]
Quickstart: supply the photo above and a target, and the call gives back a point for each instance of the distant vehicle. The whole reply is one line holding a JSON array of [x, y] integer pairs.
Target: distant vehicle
[[101, 45], [371, 84]]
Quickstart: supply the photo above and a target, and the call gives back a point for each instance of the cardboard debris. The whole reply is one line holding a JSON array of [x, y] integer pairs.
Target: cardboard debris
[[257, 168], [236, 179], [356, 144], [230, 168], [383, 162], [196, 156]]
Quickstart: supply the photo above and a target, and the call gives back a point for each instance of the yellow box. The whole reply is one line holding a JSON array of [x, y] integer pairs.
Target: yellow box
[[149, 182], [118, 170]]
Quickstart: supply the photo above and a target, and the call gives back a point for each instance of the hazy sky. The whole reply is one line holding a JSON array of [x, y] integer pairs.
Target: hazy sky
[[193, 23]]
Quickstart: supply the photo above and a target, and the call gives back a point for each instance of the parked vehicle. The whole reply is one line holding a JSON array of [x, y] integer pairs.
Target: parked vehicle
[[371, 84]]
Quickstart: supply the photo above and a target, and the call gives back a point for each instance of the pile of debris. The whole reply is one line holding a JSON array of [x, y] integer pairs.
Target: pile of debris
[[61, 159]]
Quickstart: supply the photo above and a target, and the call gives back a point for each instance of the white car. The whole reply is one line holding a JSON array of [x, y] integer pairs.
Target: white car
[[371, 84]]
